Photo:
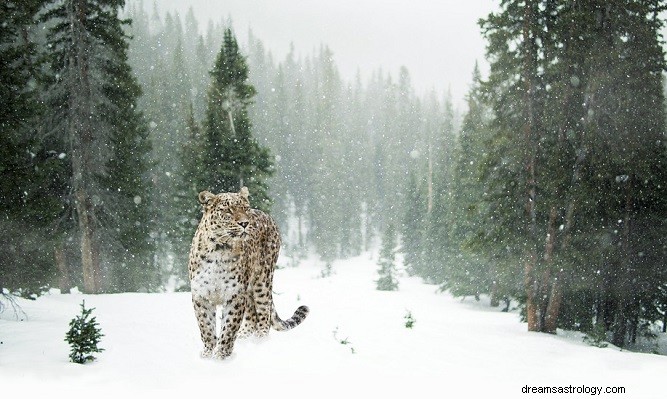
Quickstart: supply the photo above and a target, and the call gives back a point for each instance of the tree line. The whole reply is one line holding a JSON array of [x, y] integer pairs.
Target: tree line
[[128, 113], [558, 189], [550, 191], [337, 152]]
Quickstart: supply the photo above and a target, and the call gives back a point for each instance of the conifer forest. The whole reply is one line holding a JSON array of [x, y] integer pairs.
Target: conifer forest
[[547, 192]]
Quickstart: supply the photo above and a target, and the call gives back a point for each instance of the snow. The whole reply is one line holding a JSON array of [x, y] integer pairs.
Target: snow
[[456, 348]]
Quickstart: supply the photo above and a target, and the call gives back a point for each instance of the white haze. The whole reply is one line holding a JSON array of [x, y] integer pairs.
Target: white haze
[[439, 41]]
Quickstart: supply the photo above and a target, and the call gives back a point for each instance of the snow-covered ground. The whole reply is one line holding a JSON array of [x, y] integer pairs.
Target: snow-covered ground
[[456, 349]]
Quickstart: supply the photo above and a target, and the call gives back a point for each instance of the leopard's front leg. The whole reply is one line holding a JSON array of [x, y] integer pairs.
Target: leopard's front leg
[[232, 315], [205, 313]]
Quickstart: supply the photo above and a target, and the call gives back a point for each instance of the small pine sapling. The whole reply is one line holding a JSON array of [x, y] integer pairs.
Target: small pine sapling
[[597, 336], [83, 336], [409, 320]]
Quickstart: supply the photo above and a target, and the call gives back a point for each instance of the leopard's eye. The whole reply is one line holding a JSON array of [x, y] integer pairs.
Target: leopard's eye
[[225, 211]]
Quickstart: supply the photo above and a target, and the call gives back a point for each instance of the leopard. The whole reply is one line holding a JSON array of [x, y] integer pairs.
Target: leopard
[[231, 265]]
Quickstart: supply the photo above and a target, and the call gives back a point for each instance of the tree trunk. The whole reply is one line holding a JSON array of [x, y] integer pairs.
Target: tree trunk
[[552, 306], [495, 300], [624, 284], [531, 282], [64, 282], [619, 328], [86, 226], [81, 138]]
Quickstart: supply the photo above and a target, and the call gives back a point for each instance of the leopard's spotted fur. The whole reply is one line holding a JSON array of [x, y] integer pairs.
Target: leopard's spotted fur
[[232, 259]]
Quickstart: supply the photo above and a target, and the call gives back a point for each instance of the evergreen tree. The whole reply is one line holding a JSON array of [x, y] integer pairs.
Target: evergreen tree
[[130, 211], [192, 156], [510, 172], [340, 147], [387, 261], [564, 159], [92, 96], [83, 336], [438, 245], [32, 164], [328, 212], [471, 272], [412, 228], [234, 158]]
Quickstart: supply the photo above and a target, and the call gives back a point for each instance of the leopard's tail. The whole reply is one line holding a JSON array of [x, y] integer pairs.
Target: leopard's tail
[[296, 319]]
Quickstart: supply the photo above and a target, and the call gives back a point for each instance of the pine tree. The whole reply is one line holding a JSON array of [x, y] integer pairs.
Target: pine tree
[[234, 158], [626, 166], [32, 164], [471, 271], [569, 140], [92, 96], [330, 219], [412, 228], [387, 261], [438, 245], [192, 156], [83, 336]]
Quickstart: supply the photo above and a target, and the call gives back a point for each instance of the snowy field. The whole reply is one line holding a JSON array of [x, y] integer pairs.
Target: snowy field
[[456, 349]]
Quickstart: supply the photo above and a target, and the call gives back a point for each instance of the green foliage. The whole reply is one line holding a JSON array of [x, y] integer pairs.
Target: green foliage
[[597, 337], [339, 149], [83, 336], [92, 97], [127, 175], [409, 320], [233, 157], [387, 261], [32, 166], [565, 185], [469, 272]]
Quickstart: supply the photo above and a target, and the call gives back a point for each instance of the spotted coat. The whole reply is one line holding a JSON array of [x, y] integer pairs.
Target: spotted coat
[[232, 260]]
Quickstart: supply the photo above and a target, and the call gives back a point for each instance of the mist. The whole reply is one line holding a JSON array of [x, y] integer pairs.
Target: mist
[[438, 41]]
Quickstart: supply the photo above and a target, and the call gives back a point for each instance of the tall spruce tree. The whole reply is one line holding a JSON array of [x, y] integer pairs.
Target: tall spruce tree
[[32, 164], [472, 271], [233, 157], [92, 97], [516, 90]]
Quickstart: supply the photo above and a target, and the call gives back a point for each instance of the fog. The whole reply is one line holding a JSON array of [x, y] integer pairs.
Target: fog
[[438, 41]]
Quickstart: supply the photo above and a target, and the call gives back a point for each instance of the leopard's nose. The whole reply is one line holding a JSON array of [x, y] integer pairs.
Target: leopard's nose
[[243, 224]]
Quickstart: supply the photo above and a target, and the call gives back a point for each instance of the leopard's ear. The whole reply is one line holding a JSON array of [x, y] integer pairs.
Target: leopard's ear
[[205, 197], [244, 192]]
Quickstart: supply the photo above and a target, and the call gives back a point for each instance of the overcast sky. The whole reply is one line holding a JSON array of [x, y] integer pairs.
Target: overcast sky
[[437, 40]]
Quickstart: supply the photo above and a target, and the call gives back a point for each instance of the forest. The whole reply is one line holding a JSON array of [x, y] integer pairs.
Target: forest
[[548, 190]]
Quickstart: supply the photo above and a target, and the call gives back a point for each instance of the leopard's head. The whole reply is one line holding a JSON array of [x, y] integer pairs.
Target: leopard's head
[[227, 214]]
